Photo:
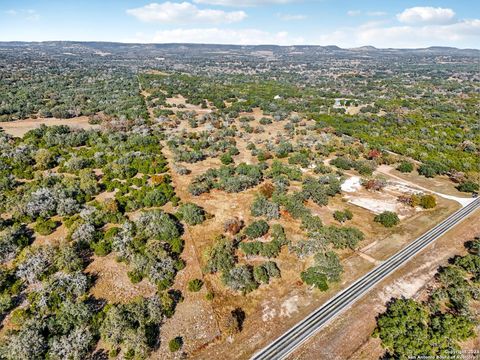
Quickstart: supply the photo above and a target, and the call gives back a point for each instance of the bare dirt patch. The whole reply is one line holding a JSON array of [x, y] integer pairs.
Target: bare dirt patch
[[112, 282], [184, 105], [194, 317], [21, 127]]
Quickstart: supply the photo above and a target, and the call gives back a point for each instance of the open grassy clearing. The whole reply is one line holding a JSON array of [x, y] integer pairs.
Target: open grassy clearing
[[21, 127]]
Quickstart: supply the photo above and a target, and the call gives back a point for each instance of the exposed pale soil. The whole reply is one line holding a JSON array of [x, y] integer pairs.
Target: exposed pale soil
[[21, 127]]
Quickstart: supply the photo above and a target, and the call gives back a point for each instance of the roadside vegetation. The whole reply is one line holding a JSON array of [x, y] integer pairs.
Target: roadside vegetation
[[438, 325]]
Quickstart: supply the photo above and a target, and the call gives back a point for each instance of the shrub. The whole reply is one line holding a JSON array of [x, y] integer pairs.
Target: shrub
[[283, 149], [364, 167], [431, 169], [191, 213], [428, 201], [311, 223], [135, 276], [327, 268], [342, 216], [342, 237], [339, 216], [468, 186], [102, 248], [42, 203], [278, 168], [321, 168], [263, 155], [387, 219], [84, 233], [233, 226], [316, 191], [411, 200], [264, 272], [267, 249], [267, 190], [220, 257], [33, 263], [181, 170], [12, 240], [256, 229], [312, 276], [240, 278], [159, 225], [45, 227], [262, 207], [272, 269], [195, 285], [375, 184], [405, 167], [175, 344], [348, 214], [342, 163], [294, 204], [300, 158], [226, 159], [260, 274]]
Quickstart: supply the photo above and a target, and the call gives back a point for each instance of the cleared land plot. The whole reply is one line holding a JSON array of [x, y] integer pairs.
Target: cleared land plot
[[21, 127]]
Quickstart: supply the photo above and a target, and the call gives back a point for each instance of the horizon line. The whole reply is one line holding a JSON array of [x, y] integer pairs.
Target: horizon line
[[218, 44]]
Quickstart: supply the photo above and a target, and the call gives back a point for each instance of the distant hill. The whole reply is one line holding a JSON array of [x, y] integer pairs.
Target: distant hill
[[299, 53]]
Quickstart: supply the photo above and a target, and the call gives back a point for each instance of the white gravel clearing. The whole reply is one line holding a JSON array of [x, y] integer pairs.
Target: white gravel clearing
[[374, 205], [352, 184]]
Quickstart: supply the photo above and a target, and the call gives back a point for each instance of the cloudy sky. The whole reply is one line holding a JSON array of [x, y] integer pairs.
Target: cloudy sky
[[346, 23]]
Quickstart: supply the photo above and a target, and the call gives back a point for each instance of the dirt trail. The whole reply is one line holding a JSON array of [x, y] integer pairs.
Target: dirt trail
[[385, 169]]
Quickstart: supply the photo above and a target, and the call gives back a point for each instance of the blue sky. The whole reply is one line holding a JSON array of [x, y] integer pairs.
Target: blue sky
[[346, 23]]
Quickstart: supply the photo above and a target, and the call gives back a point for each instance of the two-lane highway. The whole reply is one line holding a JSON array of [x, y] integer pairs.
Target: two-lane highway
[[301, 332]]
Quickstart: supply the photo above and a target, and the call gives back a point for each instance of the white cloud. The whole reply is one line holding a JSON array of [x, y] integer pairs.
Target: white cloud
[[243, 2], [353, 12], [219, 36], [185, 12], [291, 17], [379, 33], [32, 15], [26, 14], [426, 15], [465, 33]]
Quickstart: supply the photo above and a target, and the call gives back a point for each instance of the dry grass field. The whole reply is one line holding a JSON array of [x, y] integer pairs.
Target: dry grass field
[[21, 127]]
